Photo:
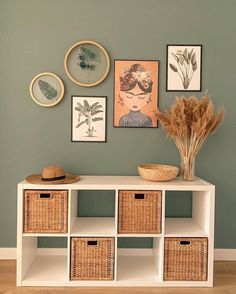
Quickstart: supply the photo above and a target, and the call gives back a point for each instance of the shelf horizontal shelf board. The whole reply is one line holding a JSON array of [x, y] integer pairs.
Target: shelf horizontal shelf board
[[47, 270], [94, 227], [183, 227], [125, 183], [44, 235], [140, 235]]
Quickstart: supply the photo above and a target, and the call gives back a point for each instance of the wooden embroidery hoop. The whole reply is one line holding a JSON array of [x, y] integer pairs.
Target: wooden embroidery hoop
[[107, 60], [49, 74]]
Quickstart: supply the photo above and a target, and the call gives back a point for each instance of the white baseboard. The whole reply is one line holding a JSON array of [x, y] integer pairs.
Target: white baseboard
[[225, 254], [219, 254], [8, 253]]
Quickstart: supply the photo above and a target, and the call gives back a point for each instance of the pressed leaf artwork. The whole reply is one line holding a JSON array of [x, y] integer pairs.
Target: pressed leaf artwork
[[48, 91], [87, 63], [88, 58], [89, 118], [184, 62]]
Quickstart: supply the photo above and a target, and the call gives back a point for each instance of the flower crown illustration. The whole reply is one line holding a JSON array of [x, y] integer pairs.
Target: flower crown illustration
[[136, 74]]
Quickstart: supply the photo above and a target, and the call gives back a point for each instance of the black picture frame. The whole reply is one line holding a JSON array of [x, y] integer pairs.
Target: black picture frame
[[158, 86], [167, 68], [105, 116]]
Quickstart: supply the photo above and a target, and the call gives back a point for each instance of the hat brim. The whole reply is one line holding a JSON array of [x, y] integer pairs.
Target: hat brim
[[69, 179]]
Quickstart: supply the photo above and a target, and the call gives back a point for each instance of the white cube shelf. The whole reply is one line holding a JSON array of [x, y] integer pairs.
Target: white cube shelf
[[133, 267]]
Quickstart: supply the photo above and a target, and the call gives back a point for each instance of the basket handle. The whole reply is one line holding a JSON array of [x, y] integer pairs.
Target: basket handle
[[139, 196], [185, 243], [44, 195], [92, 243]]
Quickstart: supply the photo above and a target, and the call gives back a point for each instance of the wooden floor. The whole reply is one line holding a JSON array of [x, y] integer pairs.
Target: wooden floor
[[225, 282]]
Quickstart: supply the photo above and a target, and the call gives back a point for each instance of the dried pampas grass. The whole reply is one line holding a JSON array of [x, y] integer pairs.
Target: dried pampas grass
[[189, 122]]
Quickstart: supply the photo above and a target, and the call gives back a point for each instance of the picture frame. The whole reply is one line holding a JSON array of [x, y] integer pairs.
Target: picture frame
[[46, 89], [87, 63], [88, 118], [136, 93], [183, 68]]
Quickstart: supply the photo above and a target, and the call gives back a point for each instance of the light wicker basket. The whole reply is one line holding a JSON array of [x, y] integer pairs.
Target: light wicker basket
[[157, 172], [45, 211], [140, 212], [186, 259], [92, 258]]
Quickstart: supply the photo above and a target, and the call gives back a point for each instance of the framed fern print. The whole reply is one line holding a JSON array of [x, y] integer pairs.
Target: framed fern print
[[88, 118], [184, 68], [47, 89]]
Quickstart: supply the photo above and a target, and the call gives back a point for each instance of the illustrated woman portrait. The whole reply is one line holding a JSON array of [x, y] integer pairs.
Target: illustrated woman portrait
[[135, 92]]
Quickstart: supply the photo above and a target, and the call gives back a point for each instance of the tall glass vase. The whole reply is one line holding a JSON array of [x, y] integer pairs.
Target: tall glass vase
[[188, 168]]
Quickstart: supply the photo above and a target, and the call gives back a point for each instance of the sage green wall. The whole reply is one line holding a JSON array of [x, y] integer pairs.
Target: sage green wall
[[34, 37]]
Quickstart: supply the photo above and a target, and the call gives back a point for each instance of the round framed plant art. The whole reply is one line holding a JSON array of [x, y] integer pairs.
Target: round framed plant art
[[87, 63], [47, 89]]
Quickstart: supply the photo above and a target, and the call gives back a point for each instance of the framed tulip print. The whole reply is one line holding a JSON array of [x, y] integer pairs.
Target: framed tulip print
[[47, 89], [136, 93], [88, 119], [184, 68]]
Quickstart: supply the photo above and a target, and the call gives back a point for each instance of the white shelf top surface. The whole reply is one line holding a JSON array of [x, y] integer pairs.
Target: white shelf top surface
[[94, 226], [183, 227], [124, 182]]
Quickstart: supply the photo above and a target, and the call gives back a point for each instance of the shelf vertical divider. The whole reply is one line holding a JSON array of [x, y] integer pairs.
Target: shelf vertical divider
[[211, 235], [19, 268], [162, 239], [116, 234], [70, 224]]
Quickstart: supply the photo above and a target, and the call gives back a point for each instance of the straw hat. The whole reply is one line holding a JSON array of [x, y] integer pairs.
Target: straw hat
[[53, 175]]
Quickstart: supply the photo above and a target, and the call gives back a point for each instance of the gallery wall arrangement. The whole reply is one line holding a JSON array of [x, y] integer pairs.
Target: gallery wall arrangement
[[108, 83]]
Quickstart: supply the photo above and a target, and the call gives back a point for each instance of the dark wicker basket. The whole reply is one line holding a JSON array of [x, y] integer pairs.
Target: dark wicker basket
[[186, 259], [140, 212], [92, 258], [45, 211]]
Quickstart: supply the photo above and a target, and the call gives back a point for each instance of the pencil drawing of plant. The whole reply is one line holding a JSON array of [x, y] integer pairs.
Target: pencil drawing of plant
[[87, 115], [186, 65]]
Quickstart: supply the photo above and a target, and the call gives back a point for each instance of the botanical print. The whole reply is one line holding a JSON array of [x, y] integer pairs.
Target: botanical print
[[88, 58], [184, 68], [88, 118], [136, 93], [48, 91], [87, 64]]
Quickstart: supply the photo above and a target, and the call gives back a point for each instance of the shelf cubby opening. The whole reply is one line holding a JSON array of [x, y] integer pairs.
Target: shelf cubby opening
[[39, 268], [93, 213], [142, 262], [186, 213]]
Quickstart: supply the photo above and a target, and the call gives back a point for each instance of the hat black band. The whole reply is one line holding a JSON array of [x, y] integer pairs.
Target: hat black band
[[53, 179]]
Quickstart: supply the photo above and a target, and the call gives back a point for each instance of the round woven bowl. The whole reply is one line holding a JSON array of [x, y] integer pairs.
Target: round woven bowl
[[157, 172]]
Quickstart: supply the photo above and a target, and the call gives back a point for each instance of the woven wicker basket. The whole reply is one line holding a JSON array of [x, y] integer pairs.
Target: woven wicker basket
[[92, 259], [45, 211], [186, 259], [157, 172], [140, 212]]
